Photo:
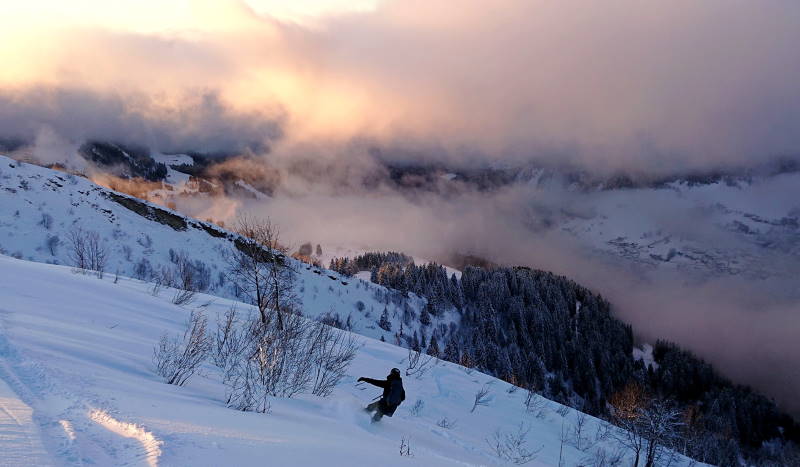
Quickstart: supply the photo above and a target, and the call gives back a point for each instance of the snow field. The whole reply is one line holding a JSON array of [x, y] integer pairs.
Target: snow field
[[81, 348]]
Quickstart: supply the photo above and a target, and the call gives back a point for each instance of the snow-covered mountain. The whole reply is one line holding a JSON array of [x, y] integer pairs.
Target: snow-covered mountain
[[744, 222], [749, 228], [42, 209], [77, 383], [708, 224], [714, 223]]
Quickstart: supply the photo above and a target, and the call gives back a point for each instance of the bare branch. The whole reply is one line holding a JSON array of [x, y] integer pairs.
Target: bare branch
[[511, 447], [178, 358], [446, 423], [418, 363], [482, 397]]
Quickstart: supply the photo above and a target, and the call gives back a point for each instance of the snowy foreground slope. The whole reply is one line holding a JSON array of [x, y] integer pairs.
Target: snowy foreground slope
[[77, 387]]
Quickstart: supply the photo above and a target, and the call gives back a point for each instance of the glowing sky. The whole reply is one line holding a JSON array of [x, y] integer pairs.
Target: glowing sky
[[624, 83]]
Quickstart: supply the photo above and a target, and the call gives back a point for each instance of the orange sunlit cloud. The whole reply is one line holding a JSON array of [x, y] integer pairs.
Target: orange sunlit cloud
[[624, 83]]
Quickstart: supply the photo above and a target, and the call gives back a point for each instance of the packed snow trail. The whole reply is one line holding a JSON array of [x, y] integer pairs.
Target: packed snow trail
[[19, 436]]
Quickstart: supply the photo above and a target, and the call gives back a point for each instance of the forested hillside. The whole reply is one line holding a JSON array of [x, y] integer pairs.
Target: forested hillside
[[547, 333]]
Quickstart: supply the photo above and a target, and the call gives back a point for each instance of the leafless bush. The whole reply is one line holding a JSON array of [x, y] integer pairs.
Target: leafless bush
[[184, 279], [418, 363], [563, 436], [603, 458], [535, 404], [166, 276], [52, 242], [511, 447], [332, 352], [179, 357], [579, 438], [482, 397], [156, 288], [87, 251], [446, 423], [229, 343], [405, 447], [647, 425], [602, 432], [258, 265], [127, 251], [563, 410], [46, 221], [183, 297], [416, 409], [282, 358]]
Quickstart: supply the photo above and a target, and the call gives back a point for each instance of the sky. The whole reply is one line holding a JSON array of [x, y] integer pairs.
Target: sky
[[619, 85]]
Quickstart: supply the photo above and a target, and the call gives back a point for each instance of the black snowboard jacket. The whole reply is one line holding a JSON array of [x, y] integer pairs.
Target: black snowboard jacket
[[388, 386]]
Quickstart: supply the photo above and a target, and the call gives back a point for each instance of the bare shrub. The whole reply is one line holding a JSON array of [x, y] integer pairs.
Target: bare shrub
[[156, 288], [183, 297], [512, 446], [332, 352], [127, 252], [283, 358], [87, 251], [405, 447], [563, 436], [184, 279], [603, 458], [416, 409], [272, 365], [46, 221], [259, 266], [446, 423], [648, 425], [179, 357], [579, 438], [535, 404], [52, 242], [602, 432], [142, 270], [229, 343], [482, 397], [418, 363]]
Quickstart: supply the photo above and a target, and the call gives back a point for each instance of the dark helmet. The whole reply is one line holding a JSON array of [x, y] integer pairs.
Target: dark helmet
[[395, 373]]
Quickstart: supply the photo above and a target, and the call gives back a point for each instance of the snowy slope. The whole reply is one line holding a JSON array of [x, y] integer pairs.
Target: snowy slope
[[749, 227], [39, 204], [76, 351]]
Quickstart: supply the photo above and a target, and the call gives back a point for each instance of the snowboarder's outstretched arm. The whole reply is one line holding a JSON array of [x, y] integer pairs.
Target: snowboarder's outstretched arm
[[381, 383]]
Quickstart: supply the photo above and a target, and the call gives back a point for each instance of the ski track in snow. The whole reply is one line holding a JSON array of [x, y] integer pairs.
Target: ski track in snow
[[19, 436], [150, 445], [34, 431]]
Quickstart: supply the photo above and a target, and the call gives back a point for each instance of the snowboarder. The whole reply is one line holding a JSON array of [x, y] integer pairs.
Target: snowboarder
[[393, 394]]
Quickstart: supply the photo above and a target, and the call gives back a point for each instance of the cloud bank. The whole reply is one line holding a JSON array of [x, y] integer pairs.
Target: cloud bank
[[609, 86]]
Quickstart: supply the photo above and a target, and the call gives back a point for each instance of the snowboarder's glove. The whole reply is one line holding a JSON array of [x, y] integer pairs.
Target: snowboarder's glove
[[360, 379]]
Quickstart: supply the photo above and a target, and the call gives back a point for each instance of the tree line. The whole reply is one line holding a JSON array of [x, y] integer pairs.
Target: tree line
[[547, 333]]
